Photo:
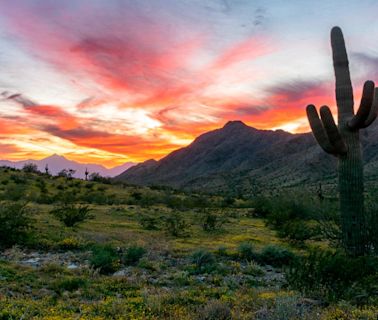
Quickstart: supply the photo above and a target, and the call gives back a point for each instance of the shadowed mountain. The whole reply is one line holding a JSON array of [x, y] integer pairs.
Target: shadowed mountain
[[241, 159], [57, 163]]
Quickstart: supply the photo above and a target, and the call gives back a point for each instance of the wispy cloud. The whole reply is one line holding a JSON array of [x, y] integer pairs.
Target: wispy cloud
[[137, 79]]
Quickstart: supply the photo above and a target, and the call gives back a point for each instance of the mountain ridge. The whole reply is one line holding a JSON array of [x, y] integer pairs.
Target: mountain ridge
[[241, 159], [57, 163]]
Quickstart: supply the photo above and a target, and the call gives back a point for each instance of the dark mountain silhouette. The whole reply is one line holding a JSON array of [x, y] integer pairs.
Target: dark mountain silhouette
[[56, 163], [241, 159]]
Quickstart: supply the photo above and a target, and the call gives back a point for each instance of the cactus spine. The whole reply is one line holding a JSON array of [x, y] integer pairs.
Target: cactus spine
[[343, 142]]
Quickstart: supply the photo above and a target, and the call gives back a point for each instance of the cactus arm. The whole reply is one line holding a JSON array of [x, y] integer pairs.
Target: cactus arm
[[358, 121], [373, 111], [318, 130], [332, 131], [344, 90]]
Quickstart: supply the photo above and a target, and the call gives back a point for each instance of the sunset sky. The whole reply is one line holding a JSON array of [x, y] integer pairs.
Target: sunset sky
[[110, 81]]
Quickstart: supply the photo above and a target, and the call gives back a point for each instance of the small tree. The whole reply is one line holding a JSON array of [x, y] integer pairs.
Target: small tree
[[15, 222], [96, 177], [175, 225], [71, 215], [66, 173], [63, 173], [211, 221], [30, 168]]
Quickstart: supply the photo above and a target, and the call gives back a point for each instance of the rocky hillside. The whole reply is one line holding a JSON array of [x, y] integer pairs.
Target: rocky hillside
[[241, 159]]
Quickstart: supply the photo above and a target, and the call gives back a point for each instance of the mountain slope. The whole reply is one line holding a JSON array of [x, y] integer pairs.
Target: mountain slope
[[238, 158], [56, 163]]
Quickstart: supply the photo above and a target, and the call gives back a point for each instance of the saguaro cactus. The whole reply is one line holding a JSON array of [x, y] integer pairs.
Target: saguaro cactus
[[343, 142]]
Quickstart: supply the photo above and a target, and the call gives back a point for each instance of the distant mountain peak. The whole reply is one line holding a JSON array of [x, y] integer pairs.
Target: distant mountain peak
[[56, 163], [54, 156], [235, 124]]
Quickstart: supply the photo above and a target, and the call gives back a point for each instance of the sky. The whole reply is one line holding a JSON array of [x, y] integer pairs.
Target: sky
[[111, 81]]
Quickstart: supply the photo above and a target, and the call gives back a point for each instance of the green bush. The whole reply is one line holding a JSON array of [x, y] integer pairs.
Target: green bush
[[254, 269], [133, 255], [215, 310], [69, 284], [334, 276], [203, 260], [15, 192], [276, 256], [15, 223], [149, 222], [261, 207], [246, 251], [176, 225], [71, 215], [285, 308], [288, 208], [300, 230], [105, 258], [211, 221], [30, 168]]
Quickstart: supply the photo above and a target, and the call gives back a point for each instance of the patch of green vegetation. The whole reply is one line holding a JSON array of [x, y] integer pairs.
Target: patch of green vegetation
[[156, 253]]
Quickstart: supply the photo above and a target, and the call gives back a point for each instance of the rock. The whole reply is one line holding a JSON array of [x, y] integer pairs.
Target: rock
[[46, 292], [310, 302], [72, 266], [34, 262], [121, 273]]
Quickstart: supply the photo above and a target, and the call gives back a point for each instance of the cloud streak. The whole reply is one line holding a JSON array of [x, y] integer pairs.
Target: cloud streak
[[148, 77]]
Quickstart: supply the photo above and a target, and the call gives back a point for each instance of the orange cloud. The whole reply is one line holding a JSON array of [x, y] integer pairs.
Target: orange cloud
[[130, 62]]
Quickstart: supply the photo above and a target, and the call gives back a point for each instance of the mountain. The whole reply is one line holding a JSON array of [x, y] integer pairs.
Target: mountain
[[241, 159], [56, 163]]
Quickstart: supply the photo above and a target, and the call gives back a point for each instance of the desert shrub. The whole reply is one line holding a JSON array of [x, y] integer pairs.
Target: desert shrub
[[18, 179], [174, 202], [69, 284], [215, 310], [61, 187], [222, 251], [194, 201], [15, 192], [276, 256], [15, 222], [254, 269], [350, 312], [105, 258], [95, 197], [96, 177], [246, 251], [70, 243], [30, 168], [285, 307], [261, 206], [137, 195], [228, 202], [176, 225], [288, 208], [300, 230], [211, 221], [45, 198], [334, 276], [71, 215], [133, 254], [149, 222], [203, 261]]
